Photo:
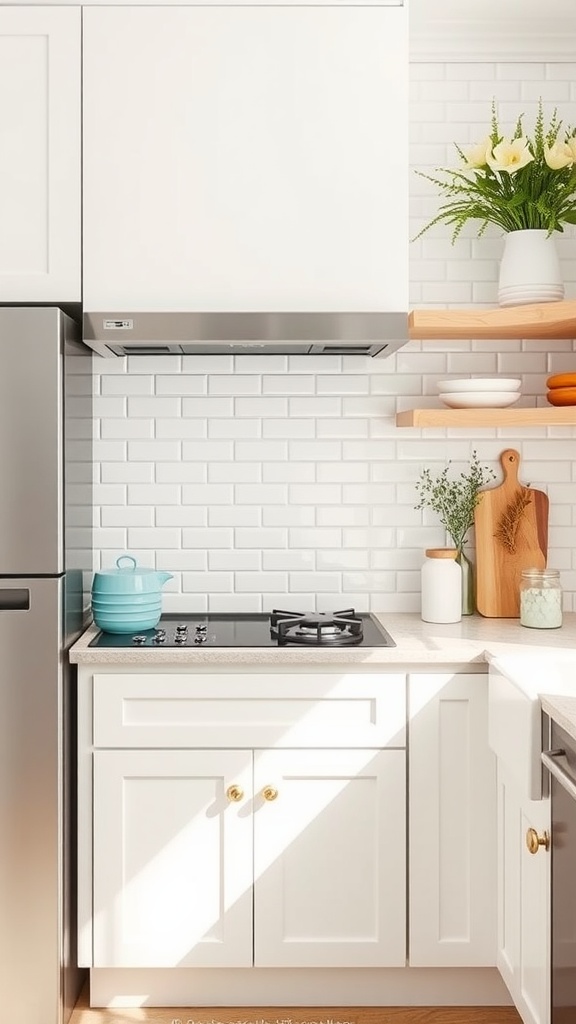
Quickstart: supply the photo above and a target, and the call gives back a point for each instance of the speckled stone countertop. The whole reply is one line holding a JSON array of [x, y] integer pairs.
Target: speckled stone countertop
[[562, 710], [468, 642]]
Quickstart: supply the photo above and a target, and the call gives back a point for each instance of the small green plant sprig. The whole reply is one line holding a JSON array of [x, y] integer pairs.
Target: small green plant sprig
[[454, 501], [524, 183]]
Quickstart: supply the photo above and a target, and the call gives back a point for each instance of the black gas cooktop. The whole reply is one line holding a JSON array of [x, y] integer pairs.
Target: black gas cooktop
[[279, 629]]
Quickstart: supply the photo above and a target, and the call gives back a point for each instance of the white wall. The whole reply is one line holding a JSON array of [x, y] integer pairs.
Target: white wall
[[283, 481]]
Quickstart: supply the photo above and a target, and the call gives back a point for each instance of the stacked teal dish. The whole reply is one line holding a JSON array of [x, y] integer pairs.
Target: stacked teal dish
[[127, 599]]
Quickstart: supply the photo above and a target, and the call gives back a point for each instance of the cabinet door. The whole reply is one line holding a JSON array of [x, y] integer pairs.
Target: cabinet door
[[172, 859], [329, 859], [523, 901], [452, 799], [40, 144], [245, 158]]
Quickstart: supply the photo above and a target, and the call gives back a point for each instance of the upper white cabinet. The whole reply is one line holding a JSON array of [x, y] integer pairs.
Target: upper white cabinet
[[452, 801], [40, 54], [245, 158]]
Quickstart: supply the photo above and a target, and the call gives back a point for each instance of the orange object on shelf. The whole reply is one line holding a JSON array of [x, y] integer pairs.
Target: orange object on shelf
[[561, 380], [562, 396]]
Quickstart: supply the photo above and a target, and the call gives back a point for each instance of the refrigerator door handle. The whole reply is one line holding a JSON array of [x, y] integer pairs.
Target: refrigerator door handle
[[17, 600]]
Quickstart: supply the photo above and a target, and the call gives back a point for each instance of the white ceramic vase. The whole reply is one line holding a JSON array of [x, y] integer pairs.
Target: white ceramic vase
[[530, 269]]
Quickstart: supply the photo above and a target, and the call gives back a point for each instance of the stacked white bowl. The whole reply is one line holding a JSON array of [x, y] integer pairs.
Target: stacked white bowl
[[479, 392]]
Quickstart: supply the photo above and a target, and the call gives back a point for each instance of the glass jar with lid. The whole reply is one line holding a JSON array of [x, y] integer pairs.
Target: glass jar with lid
[[540, 599]]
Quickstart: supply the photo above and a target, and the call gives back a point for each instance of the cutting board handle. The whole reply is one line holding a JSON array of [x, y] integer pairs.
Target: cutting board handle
[[510, 460]]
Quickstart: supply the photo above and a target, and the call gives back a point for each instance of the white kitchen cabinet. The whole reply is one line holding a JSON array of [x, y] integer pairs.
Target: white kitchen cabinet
[[170, 858], [40, 54], [330, 858], [523, 957], [243, 158], [452, 822]]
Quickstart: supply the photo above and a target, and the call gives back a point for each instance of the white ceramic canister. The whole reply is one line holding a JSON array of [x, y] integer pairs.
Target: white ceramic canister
[[441, 586], [540, 599]]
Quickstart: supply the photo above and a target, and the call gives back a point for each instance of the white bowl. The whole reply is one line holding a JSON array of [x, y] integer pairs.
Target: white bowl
[[480, 399], [448, 387]]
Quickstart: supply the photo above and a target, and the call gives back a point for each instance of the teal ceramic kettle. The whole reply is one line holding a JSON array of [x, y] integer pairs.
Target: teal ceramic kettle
[[129, 598]]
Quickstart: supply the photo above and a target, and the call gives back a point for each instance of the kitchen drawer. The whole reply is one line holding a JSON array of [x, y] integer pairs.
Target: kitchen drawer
[[238, 709]]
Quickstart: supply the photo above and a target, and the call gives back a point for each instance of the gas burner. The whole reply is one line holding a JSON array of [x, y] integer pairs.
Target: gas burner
[[317, 628]]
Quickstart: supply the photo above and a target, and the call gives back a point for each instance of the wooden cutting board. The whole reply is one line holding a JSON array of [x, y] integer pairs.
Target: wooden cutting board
[[511, 524]]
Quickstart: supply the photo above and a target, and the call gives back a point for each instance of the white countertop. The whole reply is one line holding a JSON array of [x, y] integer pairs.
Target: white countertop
[[468, 642]]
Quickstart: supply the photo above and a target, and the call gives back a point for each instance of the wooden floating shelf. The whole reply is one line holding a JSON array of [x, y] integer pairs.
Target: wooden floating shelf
[[537, 321], [541, 417]]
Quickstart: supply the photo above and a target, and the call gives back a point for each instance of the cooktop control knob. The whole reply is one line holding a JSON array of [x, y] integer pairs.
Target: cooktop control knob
[[139, 639], [200, 638], [180, 638]]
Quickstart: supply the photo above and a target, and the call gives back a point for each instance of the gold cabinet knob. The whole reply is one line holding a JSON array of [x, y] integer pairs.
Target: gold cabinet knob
[[534, 841], [269, 793], [234, 793]]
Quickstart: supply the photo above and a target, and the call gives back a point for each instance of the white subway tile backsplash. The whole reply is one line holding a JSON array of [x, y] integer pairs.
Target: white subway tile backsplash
[[207, 405], [153, 494], [123, 515], [260, 494], [217, 537], [210, 582], [315, 583], [180, 515], [266, 481], [269, 537], [315, 494], [207, 494], [180, 472], [182, 384], [123, 429], [288, 515], [261, 406], [289, 560], [289, 428], [260, 582], [289, 384], [124, 384], [235, 384], [234, 561], [181, 428], [234, 515], [233, 428], [234, 472], [153, 451]]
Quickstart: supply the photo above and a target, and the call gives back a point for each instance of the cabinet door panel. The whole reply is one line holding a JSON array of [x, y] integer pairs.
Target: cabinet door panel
[[245, 158], [523, 901], [172, 860], [330, 859], [40, 142], [452, 802]]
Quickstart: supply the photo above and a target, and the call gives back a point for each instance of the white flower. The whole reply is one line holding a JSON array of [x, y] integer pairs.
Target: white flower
[[510, 156], [475, 156], [571, 145], [558, 155]]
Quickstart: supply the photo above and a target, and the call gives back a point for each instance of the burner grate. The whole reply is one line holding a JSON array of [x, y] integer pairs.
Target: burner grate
[[322, 629]]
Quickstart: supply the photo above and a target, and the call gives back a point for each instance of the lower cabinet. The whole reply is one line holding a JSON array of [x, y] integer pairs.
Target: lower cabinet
[[287, 856], [524, 898], [452, 822]]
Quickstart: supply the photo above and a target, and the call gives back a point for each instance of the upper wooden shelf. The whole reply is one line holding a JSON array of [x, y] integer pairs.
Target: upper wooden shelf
[[538, 321]]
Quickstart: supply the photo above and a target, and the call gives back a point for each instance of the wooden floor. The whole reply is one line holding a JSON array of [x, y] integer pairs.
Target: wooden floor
[[298, 1015]]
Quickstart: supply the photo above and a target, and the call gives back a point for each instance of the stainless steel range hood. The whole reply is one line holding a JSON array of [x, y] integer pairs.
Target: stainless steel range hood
[[128, 333]]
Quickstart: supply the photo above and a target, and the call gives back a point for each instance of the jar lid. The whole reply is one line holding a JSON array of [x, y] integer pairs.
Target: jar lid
[[548, 574], [441, 552]]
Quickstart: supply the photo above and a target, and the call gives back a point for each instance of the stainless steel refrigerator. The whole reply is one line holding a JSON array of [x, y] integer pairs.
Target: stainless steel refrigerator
[[45, 571]]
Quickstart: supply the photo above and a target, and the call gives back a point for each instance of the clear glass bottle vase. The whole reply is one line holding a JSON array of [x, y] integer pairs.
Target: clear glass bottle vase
[[468, 587]]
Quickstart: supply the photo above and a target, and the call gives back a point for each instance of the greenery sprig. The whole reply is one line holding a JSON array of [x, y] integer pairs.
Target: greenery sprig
[[524, 183], [454, 501]]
